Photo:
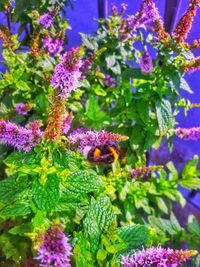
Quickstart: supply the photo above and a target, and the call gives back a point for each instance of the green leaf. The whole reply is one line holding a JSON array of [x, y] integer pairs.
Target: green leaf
[[93, 110], [19, 209], [88, 42], [134, 236], [23, 86], [161, 205], [110, 61], [185, 86], [46, 196], [21, 229], [18, 158], [190, 174], [82, 182], [98, 219], [164, 225], [10, 188], [193, 226], [164, 115]]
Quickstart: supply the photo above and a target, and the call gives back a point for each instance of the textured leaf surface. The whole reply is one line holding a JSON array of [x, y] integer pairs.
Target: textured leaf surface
[[46, 196], [134, 236], [82, 182], [98, 219], [19, 209], [164, 115], [10, 188]]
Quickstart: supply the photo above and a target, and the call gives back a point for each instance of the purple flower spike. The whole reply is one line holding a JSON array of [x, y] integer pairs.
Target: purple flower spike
[[19, 137], [67, 73], [158, 257], [46, 20], [56, 249], [109, 81], [54, 46], [146, 63], [93, 138], [188, 134]]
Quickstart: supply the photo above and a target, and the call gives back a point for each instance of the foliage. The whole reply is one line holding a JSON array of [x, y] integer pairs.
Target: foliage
[[106, 211]]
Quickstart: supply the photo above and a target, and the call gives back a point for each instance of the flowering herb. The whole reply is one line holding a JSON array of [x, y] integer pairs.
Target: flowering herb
[[157, 256], [66, 74], [93, 138], [142, 171], [19, 137], [53, 45], [56, 249], [46, 20], [185, 24], [188, 134]]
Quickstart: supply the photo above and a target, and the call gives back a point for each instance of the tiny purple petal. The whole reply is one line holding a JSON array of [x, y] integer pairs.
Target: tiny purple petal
[[146, 64], [46, 20]]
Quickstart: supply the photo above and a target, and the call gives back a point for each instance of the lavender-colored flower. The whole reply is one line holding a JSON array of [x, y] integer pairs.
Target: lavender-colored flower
[[46, 20], [93, 138], [157, 257], [146, 64], [22, 108], [54, 46], [67, 73], [142, 171], [188, 133], [148, 13], [67, 123], [109, 81], [56, 249], [19, 137]]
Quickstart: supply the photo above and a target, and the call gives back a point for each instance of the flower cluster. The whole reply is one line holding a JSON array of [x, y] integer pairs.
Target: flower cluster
[[142, 171], [46, 20], [53, 45], [22, 108], [148, 13], [192, 65], [67, 73], [109, 81], [57, 116], [56, 249], [157, 257], [146, 64], [93, 138], [19, 137], [188, 134], [185, 24]]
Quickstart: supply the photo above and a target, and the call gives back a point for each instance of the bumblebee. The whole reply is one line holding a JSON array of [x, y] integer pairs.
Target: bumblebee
[[107, 153]]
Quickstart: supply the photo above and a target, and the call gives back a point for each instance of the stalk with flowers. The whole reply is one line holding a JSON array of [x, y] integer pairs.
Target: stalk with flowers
[[77, 188]]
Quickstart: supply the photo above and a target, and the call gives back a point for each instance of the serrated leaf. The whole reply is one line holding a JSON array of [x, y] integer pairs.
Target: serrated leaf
[[164, 115], [98, 219], [18, 158], [10, 188], [193, 226], [19, 209], [46, 196], [134, 236], [82, 182], [161, 205]]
